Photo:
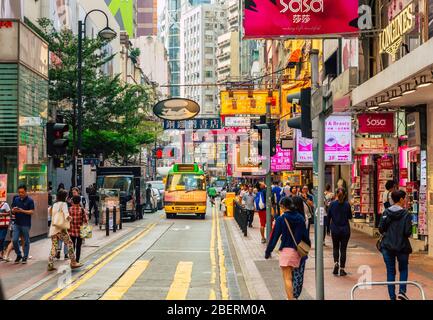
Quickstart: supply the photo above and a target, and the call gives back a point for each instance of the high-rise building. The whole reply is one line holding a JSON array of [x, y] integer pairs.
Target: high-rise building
[[169, 34], [147, 18], [201, 25]]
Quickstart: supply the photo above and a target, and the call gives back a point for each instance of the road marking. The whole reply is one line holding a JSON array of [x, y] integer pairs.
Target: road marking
[[221, 260], [182, 279], [181, 229], [126, 281], [92, 269], [179, 251]]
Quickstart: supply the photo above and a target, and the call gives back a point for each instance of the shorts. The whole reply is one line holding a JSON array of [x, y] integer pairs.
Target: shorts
[[262, 217]]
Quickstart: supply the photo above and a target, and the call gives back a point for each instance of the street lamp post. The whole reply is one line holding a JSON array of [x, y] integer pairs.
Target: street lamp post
[[107, 34]]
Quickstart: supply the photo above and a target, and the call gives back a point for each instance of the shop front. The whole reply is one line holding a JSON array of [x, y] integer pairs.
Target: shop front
[[23, 116]]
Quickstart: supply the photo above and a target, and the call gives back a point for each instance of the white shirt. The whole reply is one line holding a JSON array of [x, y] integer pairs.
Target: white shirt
[[386, 196], [58, 208], [4, 208]]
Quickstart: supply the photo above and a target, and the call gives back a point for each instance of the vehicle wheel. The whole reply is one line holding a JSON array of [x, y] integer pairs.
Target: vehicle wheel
[[202, 216]]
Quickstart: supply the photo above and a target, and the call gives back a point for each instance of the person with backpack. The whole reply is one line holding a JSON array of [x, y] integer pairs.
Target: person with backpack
[[339, 214], [395, 226], [59, 230], [290, 226], [387, 201], [276, 197], [212, 193], [5, 220]]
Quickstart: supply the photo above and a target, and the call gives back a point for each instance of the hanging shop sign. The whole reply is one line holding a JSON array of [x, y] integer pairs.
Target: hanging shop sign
[[376, 123], [195, 124], [267, 18], [304, 148], [391, 37], [237, 122], [338, 139], [3, 187], [413, 129], [176, 109], [283, 160], [244, 102], [376, 146], [422, 217]]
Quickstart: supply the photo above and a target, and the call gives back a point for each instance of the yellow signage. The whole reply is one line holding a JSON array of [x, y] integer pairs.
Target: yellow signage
[[392, 36], [241, 102]]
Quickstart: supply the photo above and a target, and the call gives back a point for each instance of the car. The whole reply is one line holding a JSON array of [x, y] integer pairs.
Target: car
[[159, 184]]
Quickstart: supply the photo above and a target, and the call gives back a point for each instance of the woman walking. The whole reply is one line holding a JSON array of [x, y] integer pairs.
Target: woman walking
[[291, 221], [339, 215], [79, 218], [5, 220], [61, 232], [396, 228]]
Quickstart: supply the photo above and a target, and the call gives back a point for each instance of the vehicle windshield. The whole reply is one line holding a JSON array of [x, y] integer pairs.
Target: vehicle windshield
[[185, 182], [157, 184], [220, 183], [113, 182]]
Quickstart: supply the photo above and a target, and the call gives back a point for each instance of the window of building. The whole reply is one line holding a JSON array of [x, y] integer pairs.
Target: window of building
[[208, 74]]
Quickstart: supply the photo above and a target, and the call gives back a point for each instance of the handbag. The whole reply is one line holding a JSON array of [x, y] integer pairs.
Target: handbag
[[86, 231], [379, 242], [302, 247], [59, 220], [5, 220]]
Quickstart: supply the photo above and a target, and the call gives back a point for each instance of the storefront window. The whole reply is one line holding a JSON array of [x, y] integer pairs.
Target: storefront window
[[33, 109]]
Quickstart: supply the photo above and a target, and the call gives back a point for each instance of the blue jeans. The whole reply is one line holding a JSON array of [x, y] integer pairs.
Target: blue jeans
[[3, 233], [25, 232], [65, 247], [403, 267]]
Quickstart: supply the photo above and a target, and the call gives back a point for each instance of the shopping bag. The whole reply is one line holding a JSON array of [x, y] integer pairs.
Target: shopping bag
[[86, 231]]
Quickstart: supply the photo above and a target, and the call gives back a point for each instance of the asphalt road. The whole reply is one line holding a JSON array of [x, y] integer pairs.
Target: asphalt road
[[174, 259]]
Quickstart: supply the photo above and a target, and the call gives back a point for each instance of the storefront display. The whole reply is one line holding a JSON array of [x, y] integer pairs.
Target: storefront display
[[385, 173], [366, 190]]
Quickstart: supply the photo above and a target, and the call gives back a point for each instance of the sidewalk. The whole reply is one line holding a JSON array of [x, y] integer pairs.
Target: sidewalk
[[264, 279], [18, 277]]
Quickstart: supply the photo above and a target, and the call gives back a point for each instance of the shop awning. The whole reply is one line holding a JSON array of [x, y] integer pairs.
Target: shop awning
[[417, 63]]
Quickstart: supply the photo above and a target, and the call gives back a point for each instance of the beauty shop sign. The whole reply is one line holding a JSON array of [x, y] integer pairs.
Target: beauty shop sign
[[279, 18]]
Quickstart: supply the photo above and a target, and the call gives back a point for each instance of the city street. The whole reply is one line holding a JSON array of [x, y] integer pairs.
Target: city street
[[190, 259]]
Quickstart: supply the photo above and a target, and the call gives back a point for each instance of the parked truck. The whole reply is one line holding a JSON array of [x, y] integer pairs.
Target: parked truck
[[132, 187]]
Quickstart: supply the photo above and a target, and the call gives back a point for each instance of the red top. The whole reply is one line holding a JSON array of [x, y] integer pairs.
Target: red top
[[79, 218]]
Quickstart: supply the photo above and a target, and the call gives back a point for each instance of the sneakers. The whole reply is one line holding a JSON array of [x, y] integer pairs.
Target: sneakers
[[7, 259], [24, 261], [58, 255], [263, 240], [17, 260], [336, 268], [402, 296], [342, 273], [76, 265]]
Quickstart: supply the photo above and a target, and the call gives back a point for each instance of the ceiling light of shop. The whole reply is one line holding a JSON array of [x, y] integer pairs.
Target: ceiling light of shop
[[407, 89], [423, 82]]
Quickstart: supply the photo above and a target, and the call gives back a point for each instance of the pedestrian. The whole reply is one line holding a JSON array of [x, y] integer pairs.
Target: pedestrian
[[340, 212], [286, 190], [290, 226], [293, 191], [79, 218], [329, 197], [5, 221], [75, 192], [23, 207], [92, 193], [390, 186], [61, 186], [244, 190], [212, 193], [396, 228], [276, 197], [248, 202], [10, 246], [260, 206], [60, 215]]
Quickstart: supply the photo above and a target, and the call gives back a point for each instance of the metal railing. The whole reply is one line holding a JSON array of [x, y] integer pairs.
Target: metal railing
[[386, 283], [241, 217]]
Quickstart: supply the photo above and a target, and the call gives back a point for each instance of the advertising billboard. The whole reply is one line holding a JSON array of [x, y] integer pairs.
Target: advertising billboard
[[234, 103], [376, 123], [283, 160], [270, 18], [304, 148], [338, 139]]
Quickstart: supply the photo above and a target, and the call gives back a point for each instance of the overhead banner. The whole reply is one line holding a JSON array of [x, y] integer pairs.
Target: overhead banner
[[270, 18], [195, 124]]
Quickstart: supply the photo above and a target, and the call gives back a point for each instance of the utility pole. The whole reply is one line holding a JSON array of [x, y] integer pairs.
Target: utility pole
[[268, 180], [319, 173]]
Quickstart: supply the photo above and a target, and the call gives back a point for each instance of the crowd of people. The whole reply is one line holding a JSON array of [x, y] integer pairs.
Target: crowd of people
[[293, 214], [66, 217]]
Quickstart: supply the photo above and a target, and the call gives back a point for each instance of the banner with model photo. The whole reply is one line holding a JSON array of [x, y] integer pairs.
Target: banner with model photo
[[275, 18]]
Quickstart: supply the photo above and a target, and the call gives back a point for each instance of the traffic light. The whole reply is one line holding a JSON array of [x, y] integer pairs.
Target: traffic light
[[272, 136], [158, 153], [57, 138], [303, 122]]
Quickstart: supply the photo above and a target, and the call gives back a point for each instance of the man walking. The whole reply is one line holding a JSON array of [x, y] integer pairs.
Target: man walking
[[260, 205], [248, 202], [276, 197], [23, 208], [91, 191]]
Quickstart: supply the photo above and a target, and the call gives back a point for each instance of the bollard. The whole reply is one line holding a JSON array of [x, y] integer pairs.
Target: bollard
[[107, 222], [114, 219], [121, 214]]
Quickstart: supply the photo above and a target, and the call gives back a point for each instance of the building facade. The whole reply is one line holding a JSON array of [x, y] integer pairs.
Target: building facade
[[147, 18]]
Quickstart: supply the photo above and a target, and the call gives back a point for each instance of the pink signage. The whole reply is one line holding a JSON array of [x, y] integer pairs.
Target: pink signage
[[271, 18], [338, 139], [283, 160], [376, 123], [304, 148]]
